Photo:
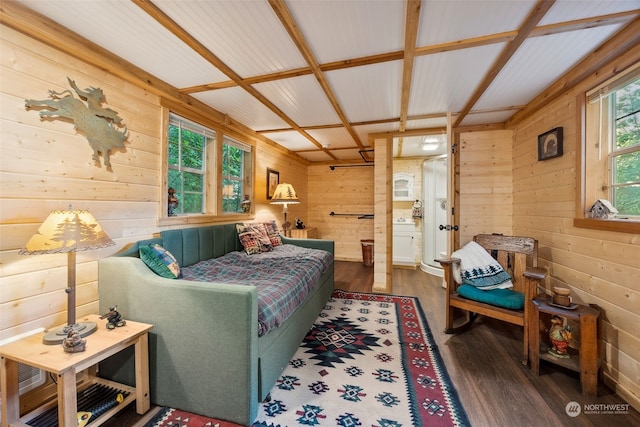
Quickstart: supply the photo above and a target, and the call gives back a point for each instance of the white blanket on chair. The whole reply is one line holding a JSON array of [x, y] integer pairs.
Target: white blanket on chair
[[478, 268]]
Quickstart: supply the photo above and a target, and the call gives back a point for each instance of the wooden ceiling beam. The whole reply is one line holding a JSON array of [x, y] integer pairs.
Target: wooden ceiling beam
[[538, 12], [583, 24], [49, 32], [507, 36], [411, 27], [623, 47], [163, 19], [284, 15]]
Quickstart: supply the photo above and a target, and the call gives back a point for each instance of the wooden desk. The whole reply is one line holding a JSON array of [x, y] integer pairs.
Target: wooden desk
[[304, 233], [586, 361], [52, 358]]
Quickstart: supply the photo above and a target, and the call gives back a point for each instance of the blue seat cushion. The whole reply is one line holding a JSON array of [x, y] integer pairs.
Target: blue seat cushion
[[505, 298]]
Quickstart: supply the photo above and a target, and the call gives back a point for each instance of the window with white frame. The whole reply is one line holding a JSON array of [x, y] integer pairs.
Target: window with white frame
[[236, 174], [187, 166], [612, 145]]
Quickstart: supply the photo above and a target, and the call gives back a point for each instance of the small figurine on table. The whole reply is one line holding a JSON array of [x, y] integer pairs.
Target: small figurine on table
[[560, 337], [74, 343], [299, 224], [114, 319]]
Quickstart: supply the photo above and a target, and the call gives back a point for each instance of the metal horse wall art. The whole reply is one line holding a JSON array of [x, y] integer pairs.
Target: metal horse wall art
[[97, 123]]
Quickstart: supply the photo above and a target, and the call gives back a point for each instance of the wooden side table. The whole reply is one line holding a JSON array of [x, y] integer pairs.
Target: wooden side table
[[52, 358], [585, 360], [304, 233]]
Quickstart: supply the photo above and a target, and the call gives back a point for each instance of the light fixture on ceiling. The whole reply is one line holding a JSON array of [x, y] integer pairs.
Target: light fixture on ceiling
[[430, 143]]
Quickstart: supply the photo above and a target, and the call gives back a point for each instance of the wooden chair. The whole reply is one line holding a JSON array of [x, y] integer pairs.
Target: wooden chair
[[511, 252]]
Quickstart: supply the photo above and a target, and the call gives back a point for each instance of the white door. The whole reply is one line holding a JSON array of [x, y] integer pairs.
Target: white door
[[434, 240]]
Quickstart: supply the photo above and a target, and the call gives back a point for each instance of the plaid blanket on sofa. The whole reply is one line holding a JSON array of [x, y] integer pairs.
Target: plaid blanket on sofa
[[283, 278]]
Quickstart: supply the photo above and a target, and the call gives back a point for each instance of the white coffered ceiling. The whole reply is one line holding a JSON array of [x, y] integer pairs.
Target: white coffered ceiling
[[318, 76]]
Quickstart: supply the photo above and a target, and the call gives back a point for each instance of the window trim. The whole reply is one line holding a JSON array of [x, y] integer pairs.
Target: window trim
[[184, 123], [167, 107], [247, 185], [580, 220]]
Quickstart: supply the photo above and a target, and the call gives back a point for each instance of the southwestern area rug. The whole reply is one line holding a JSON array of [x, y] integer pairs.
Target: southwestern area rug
[[369, 360]]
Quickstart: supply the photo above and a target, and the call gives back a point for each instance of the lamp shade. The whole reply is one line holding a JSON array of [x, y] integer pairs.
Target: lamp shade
[[67, 231], [284, 194]]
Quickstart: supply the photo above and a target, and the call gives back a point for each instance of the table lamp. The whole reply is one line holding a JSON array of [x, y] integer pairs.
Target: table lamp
[[68, 231], [284, 194]]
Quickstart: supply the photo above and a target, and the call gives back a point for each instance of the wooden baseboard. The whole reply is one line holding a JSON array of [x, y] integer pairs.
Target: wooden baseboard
[[621, 391]]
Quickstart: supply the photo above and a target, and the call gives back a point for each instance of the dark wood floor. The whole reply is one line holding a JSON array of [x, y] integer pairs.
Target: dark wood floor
[[484, 365]]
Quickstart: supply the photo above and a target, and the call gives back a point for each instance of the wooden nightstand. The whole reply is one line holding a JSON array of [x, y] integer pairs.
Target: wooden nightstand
[[52, 358], [583, 360], [304, 233]]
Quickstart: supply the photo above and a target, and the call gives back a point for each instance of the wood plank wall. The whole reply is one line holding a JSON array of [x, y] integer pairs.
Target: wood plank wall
[[46, 165], [383, 209], [600, 267], [343, 191], [485, 183]]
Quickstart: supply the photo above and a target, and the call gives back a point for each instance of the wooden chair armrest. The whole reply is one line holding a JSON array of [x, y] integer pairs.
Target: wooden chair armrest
[[447, 261], [535, 273], [447, 267]]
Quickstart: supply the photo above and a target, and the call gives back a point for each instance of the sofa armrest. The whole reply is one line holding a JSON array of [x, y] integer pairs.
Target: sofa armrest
[[204, 336]]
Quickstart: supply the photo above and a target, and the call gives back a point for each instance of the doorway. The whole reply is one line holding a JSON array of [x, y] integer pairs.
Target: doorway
[[434, 240], [419, 178]]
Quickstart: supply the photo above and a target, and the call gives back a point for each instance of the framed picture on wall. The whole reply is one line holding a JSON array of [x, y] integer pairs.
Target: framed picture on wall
[[550, 144], [273, 179]]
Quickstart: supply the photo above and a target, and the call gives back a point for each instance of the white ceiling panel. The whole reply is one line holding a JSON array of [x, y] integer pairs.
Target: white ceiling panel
[[370, 92], [332, 137], [446, 21], [435, 122], [487, 118], [443, 82], [560, 52], [566, 10], [247, 38], [246, 35], [338, 30], [291, 140], [347, 154], [364, 130], [315, 156], [302, 99], [238, 104], [124, 29]]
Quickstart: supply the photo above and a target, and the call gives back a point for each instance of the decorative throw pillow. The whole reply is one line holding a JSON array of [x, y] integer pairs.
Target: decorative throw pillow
[[261, 233], [160, 260], [249, 240], [478, 268], [273, 233]]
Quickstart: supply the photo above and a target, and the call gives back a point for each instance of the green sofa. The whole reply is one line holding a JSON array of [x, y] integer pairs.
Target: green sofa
[[205, 353]]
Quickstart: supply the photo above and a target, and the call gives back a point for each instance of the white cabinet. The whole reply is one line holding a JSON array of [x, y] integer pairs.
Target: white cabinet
[[402, 187], [404, 249]]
